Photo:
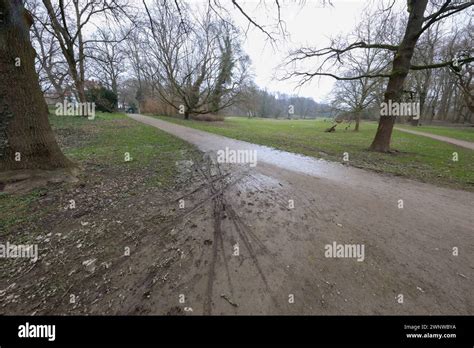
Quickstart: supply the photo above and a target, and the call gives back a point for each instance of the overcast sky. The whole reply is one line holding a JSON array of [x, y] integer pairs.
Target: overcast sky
[[308, 25]]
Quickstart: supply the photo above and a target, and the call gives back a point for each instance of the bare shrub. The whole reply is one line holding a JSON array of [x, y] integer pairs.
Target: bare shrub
[[208, 118]]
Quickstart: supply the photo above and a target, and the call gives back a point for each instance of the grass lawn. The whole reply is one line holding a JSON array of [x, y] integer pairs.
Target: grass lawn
[[109, 137], [418, 157], [461, 133], [104, 142]]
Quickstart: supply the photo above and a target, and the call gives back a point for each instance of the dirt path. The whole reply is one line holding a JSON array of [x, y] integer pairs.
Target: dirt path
[[235, 239], [462, 143], [281, 250]]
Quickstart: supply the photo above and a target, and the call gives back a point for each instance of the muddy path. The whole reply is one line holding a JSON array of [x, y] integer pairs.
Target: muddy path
[[255, 252], [234, 239]]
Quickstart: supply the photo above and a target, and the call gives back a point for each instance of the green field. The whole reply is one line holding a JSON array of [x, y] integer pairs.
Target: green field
[[461, 133], [417, 157], [109, 136]]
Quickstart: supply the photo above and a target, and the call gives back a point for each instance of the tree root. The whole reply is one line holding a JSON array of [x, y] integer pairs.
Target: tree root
[[25, 180]]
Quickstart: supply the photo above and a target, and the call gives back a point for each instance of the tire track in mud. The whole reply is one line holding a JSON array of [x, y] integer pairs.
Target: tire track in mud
[[217, 183], [220, 204], [218, 207], [335, 203]]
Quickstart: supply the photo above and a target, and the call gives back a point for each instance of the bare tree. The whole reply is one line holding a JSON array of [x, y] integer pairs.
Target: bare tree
[[68, 22], [51, 67], [108, 56], [357, 95], [424, 54], [416, 24], [196, 67], [464, 75], [441, 92]]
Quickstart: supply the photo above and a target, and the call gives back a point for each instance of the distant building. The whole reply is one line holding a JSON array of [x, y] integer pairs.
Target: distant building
[[52, 98]]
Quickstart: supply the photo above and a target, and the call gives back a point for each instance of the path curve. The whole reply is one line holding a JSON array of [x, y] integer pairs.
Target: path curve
[[418, 239], [461, 143]]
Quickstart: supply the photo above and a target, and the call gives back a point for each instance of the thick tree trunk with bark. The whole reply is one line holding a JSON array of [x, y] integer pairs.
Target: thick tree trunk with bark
[[26, 138], [400, 69]]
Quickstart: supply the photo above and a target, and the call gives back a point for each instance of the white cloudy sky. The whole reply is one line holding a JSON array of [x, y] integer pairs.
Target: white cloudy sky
[[310, 25]]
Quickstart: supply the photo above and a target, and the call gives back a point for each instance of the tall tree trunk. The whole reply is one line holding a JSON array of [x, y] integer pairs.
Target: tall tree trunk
[[67, 48], [114, 85], [423, 95], [26, 138], [80, 84], [400, 69], [81, 91], [445, 96], [434, 105], [356, 128], [446, 115]]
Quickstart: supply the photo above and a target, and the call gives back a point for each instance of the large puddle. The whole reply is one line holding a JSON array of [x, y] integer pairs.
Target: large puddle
[[346, 175], [209, 142]]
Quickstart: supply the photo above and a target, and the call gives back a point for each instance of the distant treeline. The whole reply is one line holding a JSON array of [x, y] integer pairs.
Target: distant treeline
[[257, 102]]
